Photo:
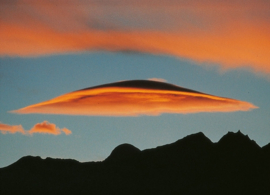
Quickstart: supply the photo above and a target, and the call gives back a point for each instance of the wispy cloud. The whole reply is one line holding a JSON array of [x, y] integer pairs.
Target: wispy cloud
[[233, 34], [5, 128], [44, 128], [134, 98], [157, 79]]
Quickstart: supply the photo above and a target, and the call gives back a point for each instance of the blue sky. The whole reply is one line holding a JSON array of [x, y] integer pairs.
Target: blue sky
[[25, 81]]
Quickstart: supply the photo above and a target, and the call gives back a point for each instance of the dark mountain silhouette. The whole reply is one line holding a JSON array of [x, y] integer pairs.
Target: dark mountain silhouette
[[124, 153], [266, 149], [192, 165]]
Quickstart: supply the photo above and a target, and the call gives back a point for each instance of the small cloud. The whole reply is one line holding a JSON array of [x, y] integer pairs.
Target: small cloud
[[5, 128], [157, 79], [66, 131], [135, 98], [43, 128], [48, 128]]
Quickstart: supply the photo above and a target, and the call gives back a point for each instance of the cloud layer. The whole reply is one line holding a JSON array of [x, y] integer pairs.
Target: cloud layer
[[233, 34], [134, 98], [44, 128]]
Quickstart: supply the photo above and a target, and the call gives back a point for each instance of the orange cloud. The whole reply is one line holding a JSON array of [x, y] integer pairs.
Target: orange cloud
[[48, 128], [134, 98], [157, 79], [232, 34], [44, 128], [5, 128]]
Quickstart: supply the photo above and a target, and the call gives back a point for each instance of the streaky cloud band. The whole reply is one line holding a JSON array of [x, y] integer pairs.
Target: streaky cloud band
[[230, 34]]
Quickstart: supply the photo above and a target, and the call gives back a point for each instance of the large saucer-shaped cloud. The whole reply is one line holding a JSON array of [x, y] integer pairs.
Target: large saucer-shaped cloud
[[134, 98]]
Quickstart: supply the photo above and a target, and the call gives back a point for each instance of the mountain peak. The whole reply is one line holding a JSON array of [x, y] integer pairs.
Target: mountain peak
[[123, 153], [196, 138], [238, 140], [191, 165], [26, 160]]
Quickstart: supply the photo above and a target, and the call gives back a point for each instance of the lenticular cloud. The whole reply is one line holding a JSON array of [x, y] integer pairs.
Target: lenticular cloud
[[134, 98]]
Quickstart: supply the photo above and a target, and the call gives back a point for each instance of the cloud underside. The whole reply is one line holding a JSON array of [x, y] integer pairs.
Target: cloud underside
[[42, 128], [233, 34], [117, 101]]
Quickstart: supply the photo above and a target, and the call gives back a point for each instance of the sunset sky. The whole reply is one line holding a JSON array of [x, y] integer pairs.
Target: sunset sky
[[53, 52]]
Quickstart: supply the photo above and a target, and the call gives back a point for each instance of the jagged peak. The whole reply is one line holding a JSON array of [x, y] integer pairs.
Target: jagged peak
[[237, 139], [234, 136]]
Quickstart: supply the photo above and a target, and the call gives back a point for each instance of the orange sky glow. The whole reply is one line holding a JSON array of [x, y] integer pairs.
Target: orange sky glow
[[114, 100], [230, 34]]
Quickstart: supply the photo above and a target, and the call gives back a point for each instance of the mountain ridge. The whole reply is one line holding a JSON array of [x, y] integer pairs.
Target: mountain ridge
[[191, 165]]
